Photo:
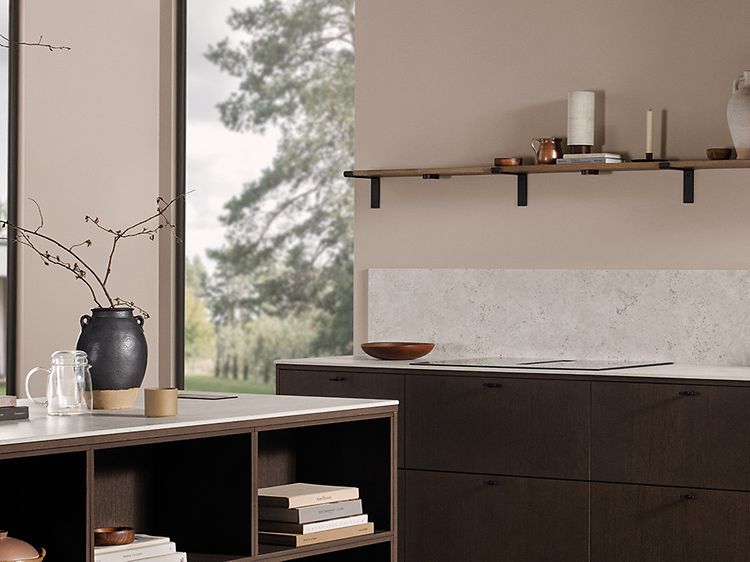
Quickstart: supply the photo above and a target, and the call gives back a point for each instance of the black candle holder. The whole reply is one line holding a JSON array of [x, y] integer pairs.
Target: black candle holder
[[649, 158]]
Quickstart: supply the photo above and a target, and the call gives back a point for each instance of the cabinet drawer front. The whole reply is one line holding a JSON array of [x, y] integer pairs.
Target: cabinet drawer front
[[498, 426], [671, 434], [475, 518], [346, 384], [654, 524]]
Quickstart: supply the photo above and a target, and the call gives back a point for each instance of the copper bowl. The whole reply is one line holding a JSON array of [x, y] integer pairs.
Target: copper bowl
[[397, 351], [110, 536], [508, 161], [719, 153]]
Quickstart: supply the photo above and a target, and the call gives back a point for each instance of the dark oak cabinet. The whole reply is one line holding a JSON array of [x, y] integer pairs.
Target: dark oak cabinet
[[479, 518], [508, 426], [660, 524], [671, 434], [346, 385], [524, 467]]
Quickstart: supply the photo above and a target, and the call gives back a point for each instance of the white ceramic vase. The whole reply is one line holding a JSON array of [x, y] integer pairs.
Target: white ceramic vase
[[738, 115]]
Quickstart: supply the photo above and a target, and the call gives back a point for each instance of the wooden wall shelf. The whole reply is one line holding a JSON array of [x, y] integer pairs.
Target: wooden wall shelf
[[687, 167]]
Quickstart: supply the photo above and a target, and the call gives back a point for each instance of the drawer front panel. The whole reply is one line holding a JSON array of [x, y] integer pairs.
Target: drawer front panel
[[673, 435], [498, 426], [654, 524], [475, 518], [346, 385]]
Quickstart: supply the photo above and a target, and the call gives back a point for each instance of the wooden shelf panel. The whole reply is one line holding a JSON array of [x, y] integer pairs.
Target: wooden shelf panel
[[563, 168], [549, 169], [710, 164], [271, 552], [420, 172]]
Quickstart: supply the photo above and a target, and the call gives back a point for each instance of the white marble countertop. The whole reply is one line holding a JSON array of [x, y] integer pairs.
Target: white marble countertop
[[697, 372], [247, 407]]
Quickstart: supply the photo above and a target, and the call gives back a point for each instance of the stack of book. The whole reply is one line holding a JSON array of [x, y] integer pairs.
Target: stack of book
[[594, 158], [302, 514], [144, 547], [10, 410]]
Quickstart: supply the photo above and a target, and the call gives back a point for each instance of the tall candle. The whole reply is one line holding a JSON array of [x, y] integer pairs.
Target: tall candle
[[581, 108], [650, 131]]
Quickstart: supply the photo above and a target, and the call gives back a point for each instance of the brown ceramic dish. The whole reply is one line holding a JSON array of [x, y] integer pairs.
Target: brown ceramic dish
[[397, 351], [109, 536], [719, 153], [508, 161]]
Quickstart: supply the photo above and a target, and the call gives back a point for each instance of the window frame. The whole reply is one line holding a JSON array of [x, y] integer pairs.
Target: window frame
[[11, 337], [180, 174]]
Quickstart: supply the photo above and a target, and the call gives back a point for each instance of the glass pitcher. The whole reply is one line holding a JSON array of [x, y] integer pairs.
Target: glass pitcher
[[69, 390]]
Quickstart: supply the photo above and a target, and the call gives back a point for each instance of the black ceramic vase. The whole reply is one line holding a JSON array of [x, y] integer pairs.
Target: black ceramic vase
[[114, 341]]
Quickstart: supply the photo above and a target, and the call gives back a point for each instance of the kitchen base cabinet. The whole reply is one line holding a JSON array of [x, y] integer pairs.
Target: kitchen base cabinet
[[675, 435], [491, 426], [345, 385], [658, 524], [476, 518], [599, 467]]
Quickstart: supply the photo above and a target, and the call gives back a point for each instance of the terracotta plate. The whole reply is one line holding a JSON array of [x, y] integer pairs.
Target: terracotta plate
[[395, 351]]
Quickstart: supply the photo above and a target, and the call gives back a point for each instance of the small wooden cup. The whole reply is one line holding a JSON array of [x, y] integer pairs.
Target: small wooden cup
[[160, 402]]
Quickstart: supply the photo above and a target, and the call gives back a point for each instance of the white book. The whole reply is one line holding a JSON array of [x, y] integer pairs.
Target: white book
[[7, 401], [301, 494], [139, 553], [139, 542], [175, 557], [592, 155], [312, 513], [590, 161], [307, 528]]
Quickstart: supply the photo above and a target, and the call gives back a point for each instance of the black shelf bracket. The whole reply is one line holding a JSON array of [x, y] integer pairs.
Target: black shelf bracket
[[522, 180], [688, 183], [523, 190], [374, 187]]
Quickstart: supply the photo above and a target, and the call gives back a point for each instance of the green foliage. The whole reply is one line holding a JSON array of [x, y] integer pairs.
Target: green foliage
[[200, 337], [288, 249], [247, 351]]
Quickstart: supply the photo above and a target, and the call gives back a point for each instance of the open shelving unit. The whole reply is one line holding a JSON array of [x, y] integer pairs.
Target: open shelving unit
[[686, 167], [199, 485]]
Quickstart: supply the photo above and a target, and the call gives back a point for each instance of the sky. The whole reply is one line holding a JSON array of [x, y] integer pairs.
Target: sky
[[219, 161]]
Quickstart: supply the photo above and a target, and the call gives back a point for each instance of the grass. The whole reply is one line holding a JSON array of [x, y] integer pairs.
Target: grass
[[213, 384]]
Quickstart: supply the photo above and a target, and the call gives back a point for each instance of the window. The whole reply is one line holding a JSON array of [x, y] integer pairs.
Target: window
[[7, 204], [269, 218]]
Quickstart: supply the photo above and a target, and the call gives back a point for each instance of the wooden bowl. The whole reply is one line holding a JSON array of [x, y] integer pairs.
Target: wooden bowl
[[508, 161], [397, 351], [109, 536], [719, 153]]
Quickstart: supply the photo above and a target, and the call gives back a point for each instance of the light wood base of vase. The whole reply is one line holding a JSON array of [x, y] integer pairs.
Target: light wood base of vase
[[115, 399]]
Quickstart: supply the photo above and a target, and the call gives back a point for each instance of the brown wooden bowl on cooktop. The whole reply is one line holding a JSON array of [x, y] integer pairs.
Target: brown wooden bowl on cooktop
[[397, 351], [108, 536]]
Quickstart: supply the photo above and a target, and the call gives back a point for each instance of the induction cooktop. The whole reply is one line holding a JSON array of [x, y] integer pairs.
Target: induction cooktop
[[548, 364]]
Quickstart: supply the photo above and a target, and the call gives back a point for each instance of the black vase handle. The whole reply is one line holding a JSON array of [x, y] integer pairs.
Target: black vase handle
[[85, 320], [140, 320]]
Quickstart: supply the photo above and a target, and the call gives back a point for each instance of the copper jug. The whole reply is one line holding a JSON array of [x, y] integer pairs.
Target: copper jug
[[547, 149]]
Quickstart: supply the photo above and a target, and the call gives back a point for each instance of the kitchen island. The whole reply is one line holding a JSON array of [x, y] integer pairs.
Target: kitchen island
[[195, 477], [648, 463]]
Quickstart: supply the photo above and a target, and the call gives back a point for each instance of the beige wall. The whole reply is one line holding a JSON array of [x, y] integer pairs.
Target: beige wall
[[90, 143], [447, 82]]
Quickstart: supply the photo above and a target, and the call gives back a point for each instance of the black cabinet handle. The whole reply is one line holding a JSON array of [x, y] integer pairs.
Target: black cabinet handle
[[688, 497], [491, 483], [690, 393], [492, 385], [337, 379]]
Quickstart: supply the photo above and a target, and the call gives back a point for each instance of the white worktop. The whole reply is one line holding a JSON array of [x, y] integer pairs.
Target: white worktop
[[702, 372], [247, 407]]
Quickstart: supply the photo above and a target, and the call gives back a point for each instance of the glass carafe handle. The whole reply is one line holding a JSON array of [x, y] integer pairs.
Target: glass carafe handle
[[43, 402]]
